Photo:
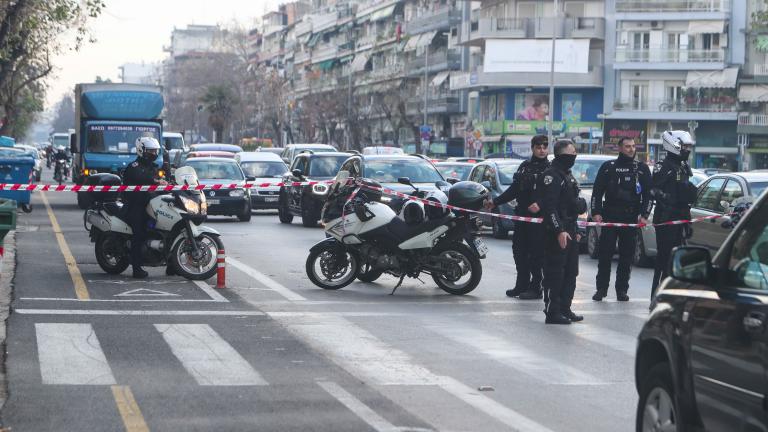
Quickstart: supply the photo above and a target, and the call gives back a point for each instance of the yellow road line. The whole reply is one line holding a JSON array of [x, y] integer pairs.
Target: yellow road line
[[129, 409], [80, 289]]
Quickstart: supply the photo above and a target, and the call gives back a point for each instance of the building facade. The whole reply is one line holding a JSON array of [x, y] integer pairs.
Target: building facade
[[753, 93]]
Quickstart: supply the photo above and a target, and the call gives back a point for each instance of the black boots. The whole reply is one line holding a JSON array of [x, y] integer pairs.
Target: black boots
[[557, 319], [530, 295], [139, 273], [622, 296], [514, 292], [599, 295]]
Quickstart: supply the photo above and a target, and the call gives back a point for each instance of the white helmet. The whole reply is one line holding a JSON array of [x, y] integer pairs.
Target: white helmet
[[674, 141], [147, 143]]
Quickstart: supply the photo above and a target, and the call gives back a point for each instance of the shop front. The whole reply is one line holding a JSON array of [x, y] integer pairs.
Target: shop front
[[615, 130], [716, 145]]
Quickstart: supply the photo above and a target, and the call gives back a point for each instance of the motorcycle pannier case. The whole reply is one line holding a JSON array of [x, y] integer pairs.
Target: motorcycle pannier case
[[103, 179], [468, 195]]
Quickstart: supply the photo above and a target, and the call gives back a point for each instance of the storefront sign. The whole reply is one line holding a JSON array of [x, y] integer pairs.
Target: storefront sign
[[615, 130]]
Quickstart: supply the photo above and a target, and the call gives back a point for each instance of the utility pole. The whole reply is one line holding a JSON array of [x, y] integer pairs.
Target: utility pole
[[550, 134], [426, 82]]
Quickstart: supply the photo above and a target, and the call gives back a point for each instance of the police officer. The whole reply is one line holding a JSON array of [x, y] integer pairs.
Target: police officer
[[560, 207], [142, 171], [626, 185], [674, 194], [527, 248]]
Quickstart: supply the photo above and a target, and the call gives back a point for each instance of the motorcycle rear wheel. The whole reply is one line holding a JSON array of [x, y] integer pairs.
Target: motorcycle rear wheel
[[203, 268], [112, 254], [326, 271], [469, 265]]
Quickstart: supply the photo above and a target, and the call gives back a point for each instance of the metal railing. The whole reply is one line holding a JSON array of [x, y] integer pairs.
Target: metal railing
[[747, 119], [666, 55], [760, 69], [672, 6], [712, 104]]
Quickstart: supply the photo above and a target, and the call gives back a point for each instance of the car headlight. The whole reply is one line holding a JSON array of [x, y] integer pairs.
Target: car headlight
[[191, 206], [237, 193], [386, 199]]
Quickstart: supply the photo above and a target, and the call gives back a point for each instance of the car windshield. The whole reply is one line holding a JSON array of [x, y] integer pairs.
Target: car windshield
[[697, 179], [389, 170], [117, 138], [326, 166], [585, 171], [507, 172], [61, 140], [173, 143], [263, 169], [460, 172], [757, 188], [216, 170]]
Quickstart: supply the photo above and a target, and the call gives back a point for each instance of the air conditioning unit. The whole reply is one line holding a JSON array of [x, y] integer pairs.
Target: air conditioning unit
[[657, 25]]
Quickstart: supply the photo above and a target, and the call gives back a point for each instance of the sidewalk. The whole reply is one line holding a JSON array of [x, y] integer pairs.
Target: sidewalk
[[6, 295]]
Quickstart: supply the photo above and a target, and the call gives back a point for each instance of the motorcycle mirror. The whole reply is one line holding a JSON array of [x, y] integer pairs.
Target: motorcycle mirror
[[452, 180], [250, 178], [405, 181], [297, 173]]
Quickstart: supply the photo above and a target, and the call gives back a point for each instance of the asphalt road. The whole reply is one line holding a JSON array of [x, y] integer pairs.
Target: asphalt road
[[93, 352]]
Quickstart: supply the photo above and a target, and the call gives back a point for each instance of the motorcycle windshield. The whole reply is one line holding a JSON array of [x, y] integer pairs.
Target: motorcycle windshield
[[186, 175]]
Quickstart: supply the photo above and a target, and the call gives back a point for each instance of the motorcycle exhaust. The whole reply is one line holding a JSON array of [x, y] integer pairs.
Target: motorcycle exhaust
[[156, 245]]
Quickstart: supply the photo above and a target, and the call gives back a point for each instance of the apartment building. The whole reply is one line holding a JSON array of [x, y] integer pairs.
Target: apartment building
[[674, 64], [508, 74], [753, 95]]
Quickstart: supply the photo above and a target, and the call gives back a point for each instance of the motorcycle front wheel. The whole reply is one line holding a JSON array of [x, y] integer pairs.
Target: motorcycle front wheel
[[112, 253], [464, 271], [201, 265], [331, 268]]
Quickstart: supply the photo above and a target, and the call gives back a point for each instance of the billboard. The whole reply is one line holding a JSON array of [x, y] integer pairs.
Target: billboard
[[535, 55], [531, 106], [617, 129]]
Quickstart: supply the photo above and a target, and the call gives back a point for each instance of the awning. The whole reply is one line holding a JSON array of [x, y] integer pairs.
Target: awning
[[346, 59], [426, 39], [439, 78], [753, 93], [412, 43], [358, 64], [383, 13], [325, 65], [725, 78], [314, 39], [698, 27]]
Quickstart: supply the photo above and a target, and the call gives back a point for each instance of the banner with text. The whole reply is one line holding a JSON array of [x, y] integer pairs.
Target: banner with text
[[534, 55]]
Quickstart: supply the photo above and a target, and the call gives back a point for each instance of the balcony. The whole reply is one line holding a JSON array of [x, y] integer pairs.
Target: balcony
[[384, 73], [324, 52], [438, 61], [447, 102], [585, 28], [301, 57], [440, 19], [694, 108], [752, 123], [669, 59], [685, 6], [477, 31]]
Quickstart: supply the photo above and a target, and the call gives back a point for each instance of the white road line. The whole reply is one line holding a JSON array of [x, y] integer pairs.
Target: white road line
[[71, 354], [265, 280], [211, 292], [360, 409], [134, 312], [518, 357], [606, 337], [118, 300], [208, 357], [372, 361]]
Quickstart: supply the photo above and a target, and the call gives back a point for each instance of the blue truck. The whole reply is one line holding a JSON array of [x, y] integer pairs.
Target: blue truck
[[110, 117]]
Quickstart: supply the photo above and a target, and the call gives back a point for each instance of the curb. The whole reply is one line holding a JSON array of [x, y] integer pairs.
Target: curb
[[6, 296]]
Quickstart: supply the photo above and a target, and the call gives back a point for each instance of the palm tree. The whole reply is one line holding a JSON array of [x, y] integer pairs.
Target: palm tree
[[220, 102]]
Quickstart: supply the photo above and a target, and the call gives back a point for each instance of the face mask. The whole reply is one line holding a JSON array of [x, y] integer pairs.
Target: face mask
[[684, 154], [150, 156], [566, 160]]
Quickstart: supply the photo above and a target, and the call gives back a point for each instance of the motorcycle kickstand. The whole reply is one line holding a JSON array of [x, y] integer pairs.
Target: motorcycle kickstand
[[400, 282]]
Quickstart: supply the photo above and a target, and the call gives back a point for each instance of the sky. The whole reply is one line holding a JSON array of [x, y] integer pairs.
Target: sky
[[132, 31]]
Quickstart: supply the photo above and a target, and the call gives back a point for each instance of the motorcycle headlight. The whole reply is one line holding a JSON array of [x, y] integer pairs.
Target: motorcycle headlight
[[191, 206], [237, 193]]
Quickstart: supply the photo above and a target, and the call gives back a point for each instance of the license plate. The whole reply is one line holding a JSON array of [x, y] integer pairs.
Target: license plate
[[214, 201], [482, 248], [270, 199]]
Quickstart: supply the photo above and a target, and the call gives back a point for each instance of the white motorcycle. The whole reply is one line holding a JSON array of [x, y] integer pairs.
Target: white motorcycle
[[367, 239], [175, 235]]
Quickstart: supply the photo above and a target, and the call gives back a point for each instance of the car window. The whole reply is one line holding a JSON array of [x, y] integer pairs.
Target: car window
[[507, 173], [757, 188], [749, 254], [709, 196], [326, 166], [216, 170], [731, 191], [585, 171], [460, 172], [300, 163], [264, 169], [477, 174], [490, 176], [387, 170]]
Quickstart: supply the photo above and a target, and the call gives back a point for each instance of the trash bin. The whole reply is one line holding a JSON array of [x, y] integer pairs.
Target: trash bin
[[14, 169]]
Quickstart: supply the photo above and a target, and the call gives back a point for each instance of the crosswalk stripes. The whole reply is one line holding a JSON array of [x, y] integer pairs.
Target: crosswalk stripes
[[71, 354]]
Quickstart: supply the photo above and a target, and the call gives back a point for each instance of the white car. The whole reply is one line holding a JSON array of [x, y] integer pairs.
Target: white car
[[173, 143], [291, 150], [264, 167], [35, 153]]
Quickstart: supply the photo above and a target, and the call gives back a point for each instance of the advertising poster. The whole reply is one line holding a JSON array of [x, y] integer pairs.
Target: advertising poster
[[535, 55], [571, 107], [617, 129], [492, 107], [531, 106]]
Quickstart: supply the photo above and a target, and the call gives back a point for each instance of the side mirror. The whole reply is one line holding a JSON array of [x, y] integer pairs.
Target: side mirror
[[297, 173], [73, 143], [452, 180], [691, 264], [486, 184], [250, 178], [405, 181]]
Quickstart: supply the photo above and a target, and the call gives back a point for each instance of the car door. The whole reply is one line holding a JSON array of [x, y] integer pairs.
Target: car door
[[728, 333], [707, 233], [732, 191], [294, 192]]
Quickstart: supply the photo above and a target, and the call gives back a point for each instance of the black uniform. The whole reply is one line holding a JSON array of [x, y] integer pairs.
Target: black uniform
[[561, 206], [139, 172], [674, 194], [527, 247], [626, 185]]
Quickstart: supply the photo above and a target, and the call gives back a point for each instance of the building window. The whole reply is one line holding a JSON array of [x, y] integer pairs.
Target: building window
[[639, 94]]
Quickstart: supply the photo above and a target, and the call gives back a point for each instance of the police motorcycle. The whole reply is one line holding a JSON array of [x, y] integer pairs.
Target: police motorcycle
[[366, 238], [175, 235], [61, 167]]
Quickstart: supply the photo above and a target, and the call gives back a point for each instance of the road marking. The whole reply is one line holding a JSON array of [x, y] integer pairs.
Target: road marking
[[265, 280], [80, 289], [144, 292], [606, 337], [133, 420], [136, 312], [360, 409], [517, 356], [118, 300], [207, 357], [211, 292], [369, 359], [71, 354]]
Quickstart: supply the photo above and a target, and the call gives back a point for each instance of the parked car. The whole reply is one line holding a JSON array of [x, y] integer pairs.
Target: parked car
[[455, 170], [299, 200], [700, 361], [718, 190], [291, 150], [231, 148], [173, 143], [496, 175], [264, 167], [205, 154], [223, 202], [698, 177], [276, 150], [37, 156]]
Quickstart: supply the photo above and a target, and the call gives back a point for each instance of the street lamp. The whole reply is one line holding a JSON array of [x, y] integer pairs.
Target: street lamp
[[550, 135], [426, 75]]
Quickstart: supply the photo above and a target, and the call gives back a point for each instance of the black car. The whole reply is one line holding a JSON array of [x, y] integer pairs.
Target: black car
[[223, 202], [701, 356], [299, 200]]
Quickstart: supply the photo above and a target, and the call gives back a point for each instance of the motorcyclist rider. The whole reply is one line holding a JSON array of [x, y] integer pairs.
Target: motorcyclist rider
[[60, 155], [143, 172]]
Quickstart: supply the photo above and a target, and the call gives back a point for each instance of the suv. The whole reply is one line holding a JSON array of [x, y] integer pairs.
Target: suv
[[496, 175], [700, 362], [290, 151], [299, 200]]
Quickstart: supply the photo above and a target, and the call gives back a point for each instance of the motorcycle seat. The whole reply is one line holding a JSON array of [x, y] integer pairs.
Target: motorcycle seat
[[403, 231], [115, 208]]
